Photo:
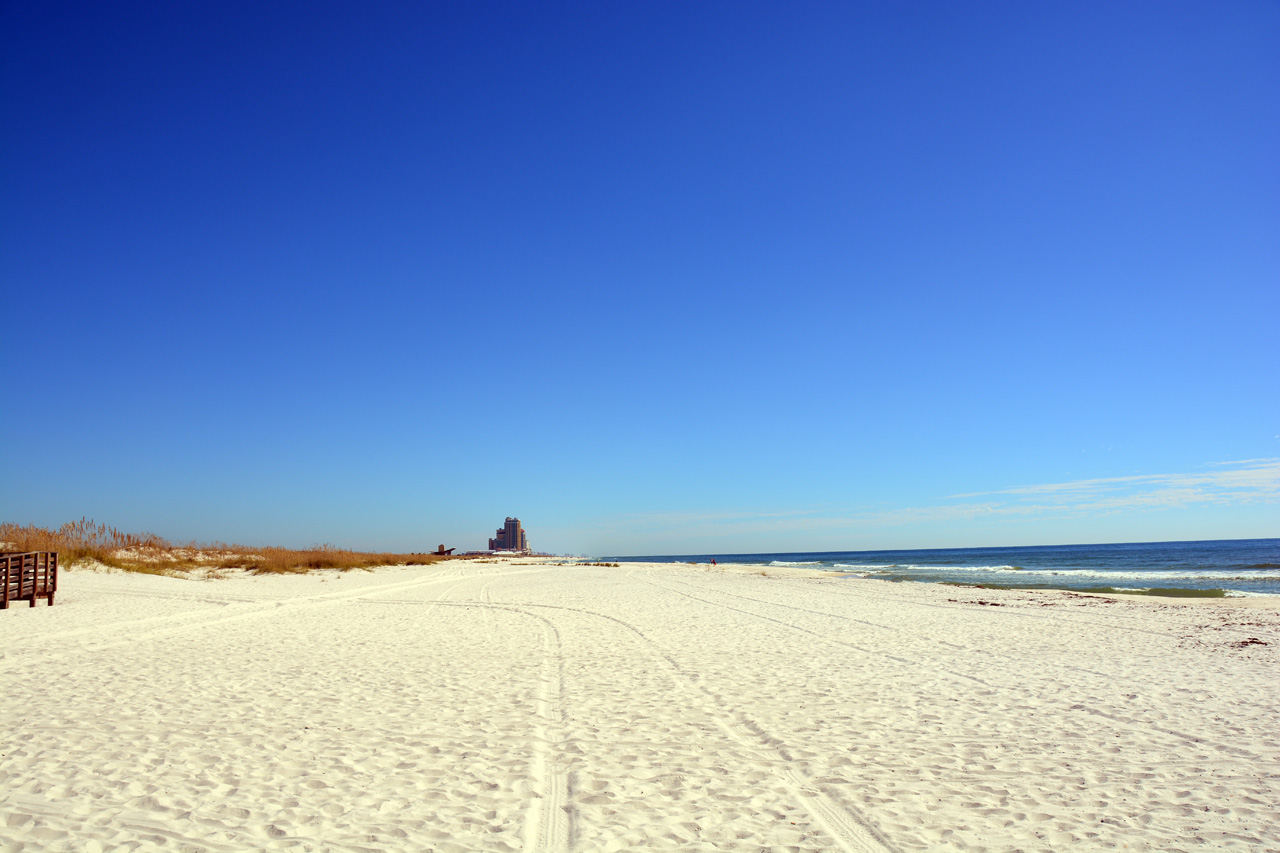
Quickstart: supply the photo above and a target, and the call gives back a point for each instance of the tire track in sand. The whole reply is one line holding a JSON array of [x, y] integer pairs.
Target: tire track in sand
[[547, 827], [549, 821], [548, 824], [1104, 619], [890, 628], [204, 619], [1139, 725], [851, 830]]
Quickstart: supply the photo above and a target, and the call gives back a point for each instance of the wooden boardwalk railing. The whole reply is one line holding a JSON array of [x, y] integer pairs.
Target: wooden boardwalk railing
[[28, 576]]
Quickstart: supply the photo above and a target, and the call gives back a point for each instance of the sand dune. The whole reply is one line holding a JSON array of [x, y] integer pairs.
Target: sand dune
[[518, 706]]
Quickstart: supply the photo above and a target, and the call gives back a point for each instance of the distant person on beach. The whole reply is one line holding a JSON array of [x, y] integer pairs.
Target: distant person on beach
[[713, 561]]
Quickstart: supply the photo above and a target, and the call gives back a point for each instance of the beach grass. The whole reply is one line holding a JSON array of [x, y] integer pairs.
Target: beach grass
[[86, 542]]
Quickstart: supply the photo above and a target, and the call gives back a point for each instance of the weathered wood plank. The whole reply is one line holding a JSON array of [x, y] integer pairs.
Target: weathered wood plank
[[31, 576]]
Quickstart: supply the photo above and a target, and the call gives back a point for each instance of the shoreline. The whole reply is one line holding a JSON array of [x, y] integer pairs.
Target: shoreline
[[521, 705], [1264, 602], [1260, 601], [1230, 568]]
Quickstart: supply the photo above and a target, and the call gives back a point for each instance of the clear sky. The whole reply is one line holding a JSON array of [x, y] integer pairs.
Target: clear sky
[[654, 277]]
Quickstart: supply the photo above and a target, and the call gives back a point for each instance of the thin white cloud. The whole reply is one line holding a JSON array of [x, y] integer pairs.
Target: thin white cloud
[[1245, 461], [1241, 482], [1244, 480]]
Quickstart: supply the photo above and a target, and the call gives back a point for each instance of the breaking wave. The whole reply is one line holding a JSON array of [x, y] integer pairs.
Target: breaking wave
[[1105, 574], [1166, 574]]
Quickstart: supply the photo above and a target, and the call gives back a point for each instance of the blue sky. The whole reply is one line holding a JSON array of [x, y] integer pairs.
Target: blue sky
[[656, 278]]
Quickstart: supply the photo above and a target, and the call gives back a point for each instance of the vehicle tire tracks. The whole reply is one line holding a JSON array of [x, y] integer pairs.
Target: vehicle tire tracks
[[1074, 706], [852, 831], [549, 820], [201, 620]]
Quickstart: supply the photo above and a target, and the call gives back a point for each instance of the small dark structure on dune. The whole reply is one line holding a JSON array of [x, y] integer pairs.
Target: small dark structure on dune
[[441, 552], [27, 576]]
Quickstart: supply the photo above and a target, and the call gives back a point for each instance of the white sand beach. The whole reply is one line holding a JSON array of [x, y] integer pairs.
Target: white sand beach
[[508, 706]]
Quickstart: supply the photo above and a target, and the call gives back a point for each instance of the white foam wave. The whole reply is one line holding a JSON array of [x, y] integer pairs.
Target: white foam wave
[[913, 567], [1193, 575], [1153, 577], [1114, 574]]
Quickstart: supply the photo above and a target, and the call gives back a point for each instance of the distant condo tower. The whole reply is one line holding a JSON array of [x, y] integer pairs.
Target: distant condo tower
[[510, 537]]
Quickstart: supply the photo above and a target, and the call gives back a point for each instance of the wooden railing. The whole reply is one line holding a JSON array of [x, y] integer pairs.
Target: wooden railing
[[28, 576]]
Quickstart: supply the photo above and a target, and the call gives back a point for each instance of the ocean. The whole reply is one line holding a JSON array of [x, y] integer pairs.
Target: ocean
[[1222, 567]]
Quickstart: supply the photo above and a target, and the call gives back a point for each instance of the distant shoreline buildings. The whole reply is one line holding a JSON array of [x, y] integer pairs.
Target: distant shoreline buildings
[[510, 537]]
